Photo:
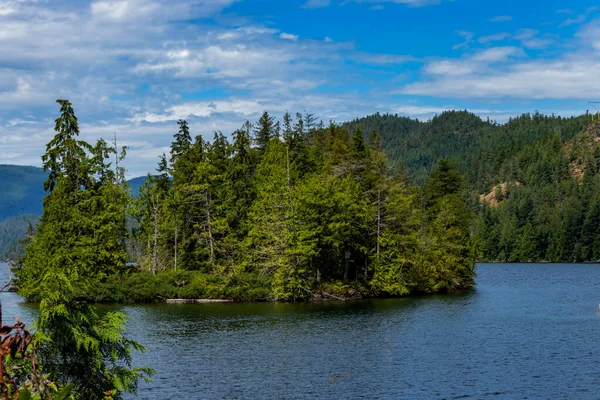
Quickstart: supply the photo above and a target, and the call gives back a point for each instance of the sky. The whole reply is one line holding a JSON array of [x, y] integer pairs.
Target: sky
[[134, 67]]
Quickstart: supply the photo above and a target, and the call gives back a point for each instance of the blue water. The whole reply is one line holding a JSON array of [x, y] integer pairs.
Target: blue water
[[528, 331]]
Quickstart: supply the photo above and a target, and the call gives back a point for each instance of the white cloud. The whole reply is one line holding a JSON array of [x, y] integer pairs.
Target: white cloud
[[471, 64], [539, 79], [203, 109], [377, 6], [218, 62], [381, 59], [5, 10], [467, 36], [495, 54], [495, 37], [289, 36], [112, 10], [579, 18], [529, 39]]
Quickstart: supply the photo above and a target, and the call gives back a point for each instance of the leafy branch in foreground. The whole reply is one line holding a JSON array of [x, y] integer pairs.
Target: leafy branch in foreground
[[21, 376]]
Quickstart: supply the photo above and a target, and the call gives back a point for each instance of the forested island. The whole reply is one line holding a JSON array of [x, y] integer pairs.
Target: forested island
[[288, 211]]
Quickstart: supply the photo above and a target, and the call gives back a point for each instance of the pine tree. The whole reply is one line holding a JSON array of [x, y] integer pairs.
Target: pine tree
[[80, 240], [265, 131], [182, 142]]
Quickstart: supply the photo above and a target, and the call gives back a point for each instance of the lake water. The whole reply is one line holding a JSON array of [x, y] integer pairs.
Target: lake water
[[528, 331]]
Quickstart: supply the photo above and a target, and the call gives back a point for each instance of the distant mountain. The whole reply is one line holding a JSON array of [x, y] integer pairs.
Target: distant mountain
[[22, 190], [135, 184], [21, 199]]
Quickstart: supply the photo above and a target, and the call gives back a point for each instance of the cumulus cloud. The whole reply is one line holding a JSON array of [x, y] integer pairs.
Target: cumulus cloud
[[572, 77]]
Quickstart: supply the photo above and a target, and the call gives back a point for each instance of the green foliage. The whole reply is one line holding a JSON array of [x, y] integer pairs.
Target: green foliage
[[315, 207], [539, 176], [64, 394], [80, 242], [145, 287]]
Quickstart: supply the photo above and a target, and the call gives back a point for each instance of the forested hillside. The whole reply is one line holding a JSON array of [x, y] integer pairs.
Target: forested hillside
[[483, 149], [534, 180], [546, 205]]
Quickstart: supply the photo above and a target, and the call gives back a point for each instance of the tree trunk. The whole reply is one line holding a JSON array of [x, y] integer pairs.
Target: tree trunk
[[378, 220], [176, 243], [155, 260], [209, 230], [346, 268]]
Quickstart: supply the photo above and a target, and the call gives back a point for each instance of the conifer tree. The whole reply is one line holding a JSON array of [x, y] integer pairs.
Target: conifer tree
[[265, 131], [80, 240]]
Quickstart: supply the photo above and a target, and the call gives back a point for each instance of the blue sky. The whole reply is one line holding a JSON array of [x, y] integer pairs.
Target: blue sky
[[135, 67]]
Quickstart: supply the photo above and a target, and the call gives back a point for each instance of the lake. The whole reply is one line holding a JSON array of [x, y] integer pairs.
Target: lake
[[526, 331]]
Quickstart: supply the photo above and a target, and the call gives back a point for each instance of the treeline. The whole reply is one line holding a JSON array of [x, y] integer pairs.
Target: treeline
[[533, 181], [307, 206]]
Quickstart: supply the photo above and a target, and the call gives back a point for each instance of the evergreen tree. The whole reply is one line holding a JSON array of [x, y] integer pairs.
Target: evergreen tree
[[265, 131], [79, 241]]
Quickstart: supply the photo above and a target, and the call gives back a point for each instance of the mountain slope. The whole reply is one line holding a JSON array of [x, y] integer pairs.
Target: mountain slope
[[483, 150], [534, 181], [22, 190]]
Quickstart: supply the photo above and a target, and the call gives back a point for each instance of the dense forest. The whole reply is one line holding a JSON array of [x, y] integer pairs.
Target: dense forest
[[284, 212], [533, 181]]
